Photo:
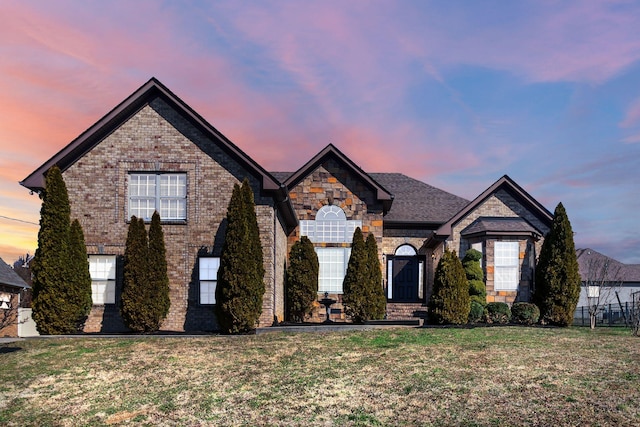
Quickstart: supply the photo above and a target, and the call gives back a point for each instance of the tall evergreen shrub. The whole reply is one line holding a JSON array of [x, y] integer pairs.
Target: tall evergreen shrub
[[240, 286], [377, 306], [557, 286], [136, 289], [59, 297], [449, 302], [158, 278], [354, 291], [302, 279], [78, 290]]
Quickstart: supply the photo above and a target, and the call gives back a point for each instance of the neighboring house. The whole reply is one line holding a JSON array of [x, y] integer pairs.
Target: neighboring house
[[153, 152], [11, 286], [614, 275]]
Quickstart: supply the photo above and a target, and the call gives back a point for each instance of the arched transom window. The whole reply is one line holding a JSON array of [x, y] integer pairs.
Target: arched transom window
[[330, 226], [406, 250]]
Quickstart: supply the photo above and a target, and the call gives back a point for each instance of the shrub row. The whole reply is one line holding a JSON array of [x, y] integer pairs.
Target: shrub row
[[523, 313]]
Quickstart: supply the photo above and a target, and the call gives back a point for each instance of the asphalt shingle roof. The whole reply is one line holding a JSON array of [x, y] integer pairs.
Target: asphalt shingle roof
[[413, 200], [499, 225], [10, 277], [622, 272]]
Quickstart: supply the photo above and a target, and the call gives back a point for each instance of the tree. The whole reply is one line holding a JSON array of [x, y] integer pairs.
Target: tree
[[58, 308], [302, 279], [557, 278], [158, 278], [363, 295], [603, 277], [78, 289], [240, 286], [135, 289], [353, 297], [376, 308], [475, 276], [449, 302]]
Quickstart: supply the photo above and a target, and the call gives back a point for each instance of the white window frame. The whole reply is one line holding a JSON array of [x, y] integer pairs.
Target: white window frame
[[5, 300], [330, 226], [102, 269], [208, 277], [333, 267], [158, 191], [506, 261]]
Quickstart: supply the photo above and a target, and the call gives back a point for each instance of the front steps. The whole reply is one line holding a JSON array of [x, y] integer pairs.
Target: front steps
[[406, 311]]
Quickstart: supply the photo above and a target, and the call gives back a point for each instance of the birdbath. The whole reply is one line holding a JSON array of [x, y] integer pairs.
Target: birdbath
[[327, 302]]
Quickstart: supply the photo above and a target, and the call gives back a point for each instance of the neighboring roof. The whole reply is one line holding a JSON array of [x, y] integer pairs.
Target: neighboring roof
[[592, 259], [330, 151], [509, 185], [130, 106], [495, 226], [417, 202], [8, 277]]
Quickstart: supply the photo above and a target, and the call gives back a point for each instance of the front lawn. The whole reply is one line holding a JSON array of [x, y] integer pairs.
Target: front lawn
[[482, 376]]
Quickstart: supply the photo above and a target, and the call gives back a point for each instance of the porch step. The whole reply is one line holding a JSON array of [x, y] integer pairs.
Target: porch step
[[406, 311]]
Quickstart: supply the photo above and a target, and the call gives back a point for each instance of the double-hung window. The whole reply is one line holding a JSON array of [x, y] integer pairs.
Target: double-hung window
[[208, 279], [102, 269], [506, 262], [162, 192]]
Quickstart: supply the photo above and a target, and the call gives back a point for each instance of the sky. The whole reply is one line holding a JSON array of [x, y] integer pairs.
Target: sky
[[454, 93]]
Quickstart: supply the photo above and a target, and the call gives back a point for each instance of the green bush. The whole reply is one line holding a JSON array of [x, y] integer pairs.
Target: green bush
[[497, 312], [135, 290], [377, 306], [475, 276], [61, 281], [476, 312], [240, 286], [302, 279], [449, 301], [557, 277], [525, 313]]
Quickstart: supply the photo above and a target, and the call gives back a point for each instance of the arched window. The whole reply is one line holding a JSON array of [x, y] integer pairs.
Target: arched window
[[406, 250], [330, 231]]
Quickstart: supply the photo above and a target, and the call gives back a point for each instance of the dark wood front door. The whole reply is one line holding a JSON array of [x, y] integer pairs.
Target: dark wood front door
[[405, 278]]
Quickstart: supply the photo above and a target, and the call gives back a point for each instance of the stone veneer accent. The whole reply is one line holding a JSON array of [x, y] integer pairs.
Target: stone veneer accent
[[502, 204], [159, 139], [333, 184]]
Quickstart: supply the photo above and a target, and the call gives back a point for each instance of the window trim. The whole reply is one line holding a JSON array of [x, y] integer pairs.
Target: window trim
[[158, 198], [108, 282], [208, 280]]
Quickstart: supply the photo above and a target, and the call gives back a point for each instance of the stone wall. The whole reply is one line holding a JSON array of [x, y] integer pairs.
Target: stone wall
[[158, 139]]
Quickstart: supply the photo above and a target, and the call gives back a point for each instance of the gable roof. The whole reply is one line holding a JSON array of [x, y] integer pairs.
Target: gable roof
[[504, 183], [8, 277], [330, 151], [621, 272], [126, 109]]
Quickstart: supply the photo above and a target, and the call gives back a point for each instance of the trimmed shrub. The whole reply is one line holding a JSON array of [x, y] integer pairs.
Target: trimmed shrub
[[497, 312], [476, 312], [240, 286], [377, 306], [78, 291], [557, 278], [475, 276], [525, 313], [301, 279], [354, 297], [158, 278], [135, 290], [449, 302]]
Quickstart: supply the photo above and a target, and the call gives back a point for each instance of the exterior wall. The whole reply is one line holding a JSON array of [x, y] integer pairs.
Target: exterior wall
[[280, 268], [502, 204], [332, 184], [158, 139]]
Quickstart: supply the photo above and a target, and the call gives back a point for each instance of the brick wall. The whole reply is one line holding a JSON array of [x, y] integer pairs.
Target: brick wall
[[9, 317], [157, 138]]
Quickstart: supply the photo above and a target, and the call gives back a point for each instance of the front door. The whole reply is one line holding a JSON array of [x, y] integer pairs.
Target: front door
[[405, 278]]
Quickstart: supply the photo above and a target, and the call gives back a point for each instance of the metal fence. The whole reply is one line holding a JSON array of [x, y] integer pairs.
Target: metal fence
[[608, 315]]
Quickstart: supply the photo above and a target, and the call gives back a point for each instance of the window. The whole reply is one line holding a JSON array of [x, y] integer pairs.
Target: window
[[164, 192], [506, 261], [333, 267], [406, 250], [103, 279], [330, 226], [5, 300], [208, 279]]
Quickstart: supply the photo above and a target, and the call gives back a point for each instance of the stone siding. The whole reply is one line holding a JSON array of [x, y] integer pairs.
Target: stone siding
[[158, 139], [333, 184]]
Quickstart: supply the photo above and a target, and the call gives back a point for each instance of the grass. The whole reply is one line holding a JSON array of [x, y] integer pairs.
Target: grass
[[439, 377]]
